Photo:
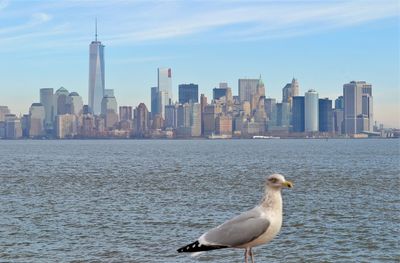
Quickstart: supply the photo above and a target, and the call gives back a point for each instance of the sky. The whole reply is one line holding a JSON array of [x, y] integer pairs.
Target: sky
[[324, 44]]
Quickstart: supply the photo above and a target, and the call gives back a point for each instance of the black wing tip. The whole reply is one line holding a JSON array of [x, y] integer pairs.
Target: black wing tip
[[197, 247]]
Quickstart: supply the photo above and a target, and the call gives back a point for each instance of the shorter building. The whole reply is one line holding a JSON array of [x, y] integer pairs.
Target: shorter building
[[13, 129], [171, 116], [125, 113], [325, 115], [223, 125], [3, 111], [188, 93], [37, 117], [141, 121], [109, 110], [66, 126]]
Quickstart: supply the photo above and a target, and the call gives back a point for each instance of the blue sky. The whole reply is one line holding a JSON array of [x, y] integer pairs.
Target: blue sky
[[324, 44]]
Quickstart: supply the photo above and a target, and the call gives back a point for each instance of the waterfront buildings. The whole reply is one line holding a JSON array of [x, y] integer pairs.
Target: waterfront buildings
[[125, 113], [75, 104], [3, 111], [164, 89], [109, 110], [96, 75], [61, 101], [141, 121], [47, 100], [358, 113], [325, 115], [311, 117], [290, 90], [298, 114], [188, 93], [66, 126], [247, 87], [37, 116]]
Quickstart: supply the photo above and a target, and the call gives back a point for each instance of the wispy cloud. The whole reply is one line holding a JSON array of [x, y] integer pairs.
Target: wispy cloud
[[4, 4], [136, 22]]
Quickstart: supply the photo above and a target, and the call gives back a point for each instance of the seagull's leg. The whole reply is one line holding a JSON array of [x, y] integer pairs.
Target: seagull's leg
[[245, 256], [252, 256]]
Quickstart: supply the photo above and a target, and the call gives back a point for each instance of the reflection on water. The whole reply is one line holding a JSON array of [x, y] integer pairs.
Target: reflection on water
[[131, 201]]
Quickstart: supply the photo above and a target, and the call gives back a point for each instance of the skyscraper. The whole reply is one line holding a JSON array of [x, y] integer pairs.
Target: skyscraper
[[75, 104], [3, 111], [36, 120], [298, 113], [311, 111], [109, 110], [188, 93], [47, 100], [290, 90], [247, 87], [141, 120], [325, 115], [357, 107], [125, 113], [61, 101], [96, 75], [154, 102], [164, 85], [339, 103]]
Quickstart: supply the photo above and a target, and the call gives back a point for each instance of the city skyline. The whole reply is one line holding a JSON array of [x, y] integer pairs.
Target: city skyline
[[132, 75]]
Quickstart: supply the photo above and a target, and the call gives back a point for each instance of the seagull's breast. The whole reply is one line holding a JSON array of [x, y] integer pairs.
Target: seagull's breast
[[275, 219]]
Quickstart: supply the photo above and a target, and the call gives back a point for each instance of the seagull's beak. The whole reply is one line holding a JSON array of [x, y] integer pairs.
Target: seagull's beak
[[287, 184]]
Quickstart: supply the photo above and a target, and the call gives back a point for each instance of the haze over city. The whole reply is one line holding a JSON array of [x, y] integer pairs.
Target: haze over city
[[324, 45]]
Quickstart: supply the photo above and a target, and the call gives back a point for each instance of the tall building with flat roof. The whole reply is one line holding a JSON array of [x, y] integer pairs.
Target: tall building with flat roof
[[311, 117], [75, 104], [3, 111], [154, 102], [247, 87], [47, 100], [188, 93], [109, 110], [355, 106], [96, 75], [325, 115], [37, 114], [164, 83], [125, 113], [298, 114]]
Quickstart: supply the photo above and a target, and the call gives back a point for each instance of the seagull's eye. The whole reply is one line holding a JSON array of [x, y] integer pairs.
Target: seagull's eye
[[273, 180]]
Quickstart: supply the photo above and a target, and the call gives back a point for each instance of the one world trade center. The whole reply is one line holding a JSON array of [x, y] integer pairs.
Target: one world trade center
[[96, 75]]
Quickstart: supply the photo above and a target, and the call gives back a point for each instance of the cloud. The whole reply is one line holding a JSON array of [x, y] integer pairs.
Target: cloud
[[4, 4], [139, 22], [41, 17]]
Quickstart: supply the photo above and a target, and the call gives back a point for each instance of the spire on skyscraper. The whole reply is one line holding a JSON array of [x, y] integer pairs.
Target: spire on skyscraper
[[95, 34]]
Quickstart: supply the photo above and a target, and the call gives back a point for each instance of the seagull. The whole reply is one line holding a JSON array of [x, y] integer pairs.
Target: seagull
[[249, 229]]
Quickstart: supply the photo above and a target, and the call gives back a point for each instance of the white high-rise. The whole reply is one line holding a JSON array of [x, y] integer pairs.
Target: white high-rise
[[358, 110], [96, 75], [311, 117], [164, 85]]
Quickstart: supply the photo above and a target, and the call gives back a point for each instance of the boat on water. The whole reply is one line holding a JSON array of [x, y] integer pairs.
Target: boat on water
[[265, 137], [217, 136]]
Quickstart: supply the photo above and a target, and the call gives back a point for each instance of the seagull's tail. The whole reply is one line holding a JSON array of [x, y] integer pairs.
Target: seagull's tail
[[197, 247]]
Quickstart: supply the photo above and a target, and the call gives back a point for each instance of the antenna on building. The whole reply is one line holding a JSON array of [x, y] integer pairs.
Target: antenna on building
[[95, 35]]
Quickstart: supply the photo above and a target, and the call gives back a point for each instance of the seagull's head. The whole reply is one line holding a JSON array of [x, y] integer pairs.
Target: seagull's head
[[277, 181]]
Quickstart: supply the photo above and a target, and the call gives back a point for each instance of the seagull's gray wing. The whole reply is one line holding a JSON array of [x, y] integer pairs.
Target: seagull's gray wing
[[237, 231]]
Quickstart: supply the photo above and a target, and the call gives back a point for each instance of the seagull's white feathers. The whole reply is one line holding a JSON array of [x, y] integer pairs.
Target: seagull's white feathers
[[238, 231]]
